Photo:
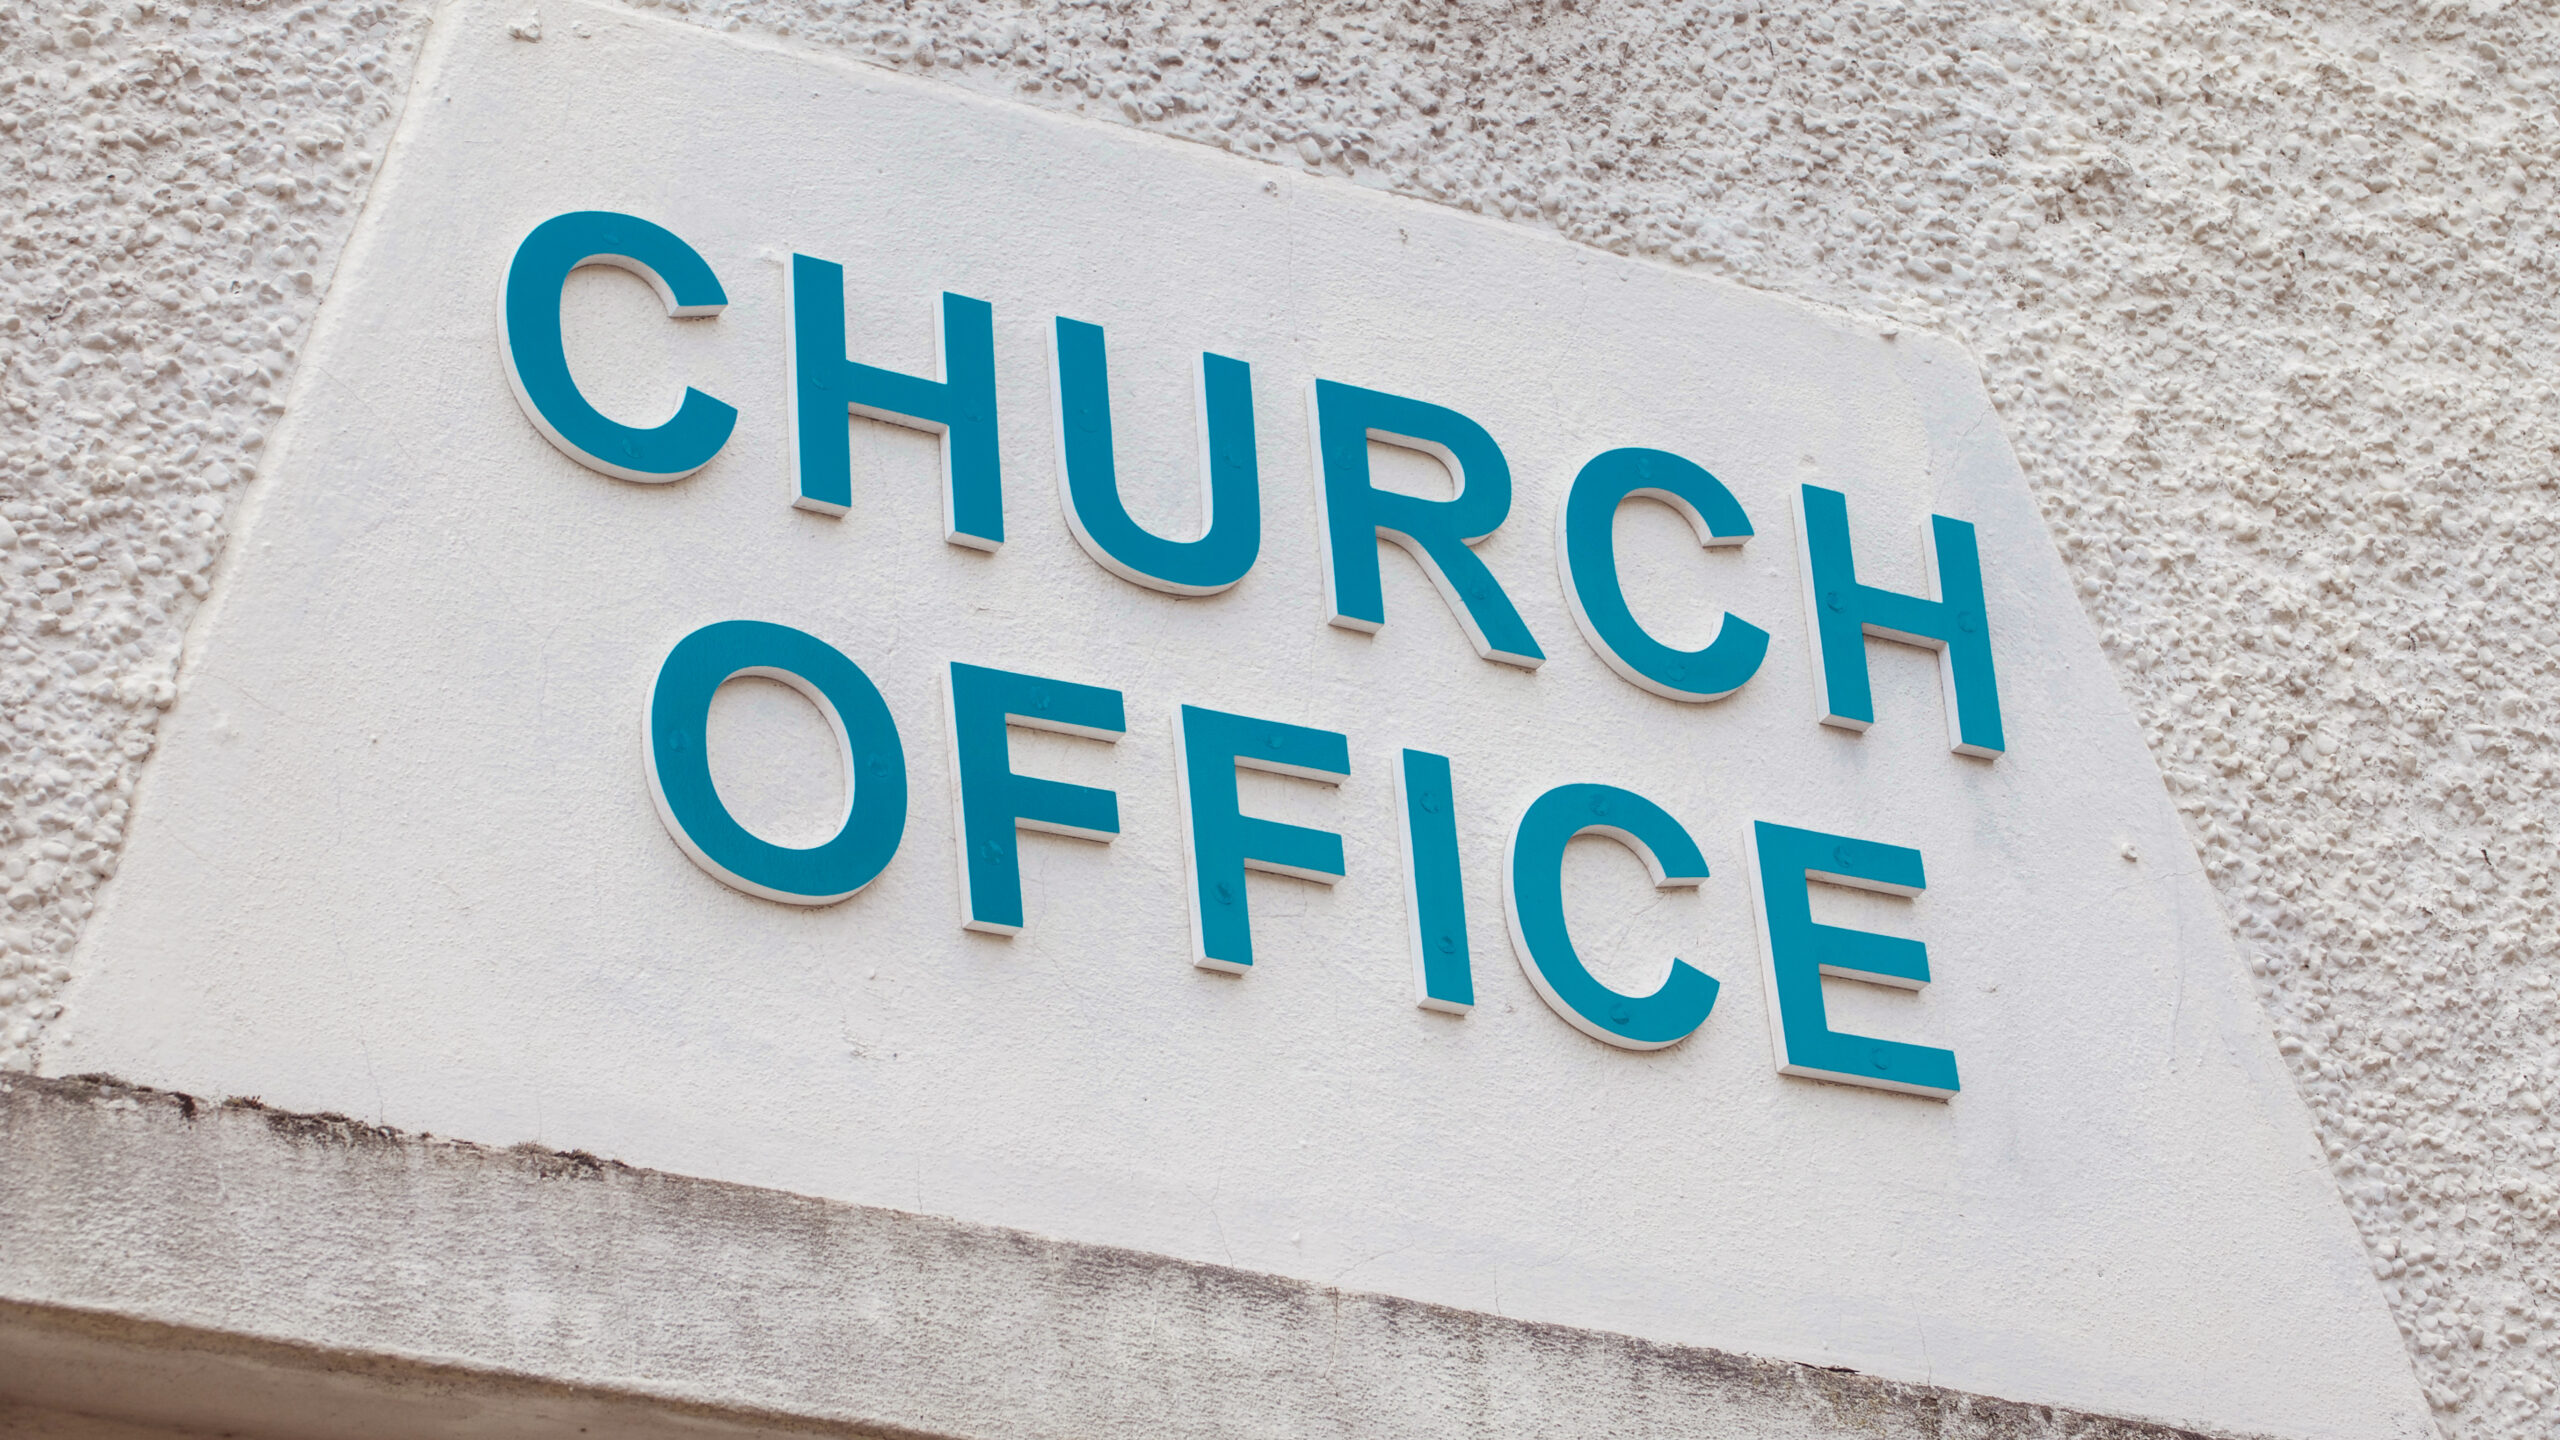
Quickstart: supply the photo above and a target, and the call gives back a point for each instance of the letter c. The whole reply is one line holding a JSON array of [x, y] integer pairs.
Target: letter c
[[1587, 557], [538, 367], [1533, 892]]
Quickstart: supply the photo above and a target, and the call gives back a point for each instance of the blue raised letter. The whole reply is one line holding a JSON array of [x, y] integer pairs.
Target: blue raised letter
[[1435, 900], [1796, 953], [1587, 555], [1221, 843], [961, 407], [991, 801], [1845, 613], [538, 366], [1089, 482], [1356, 515], [875, 768], [1533, 888]]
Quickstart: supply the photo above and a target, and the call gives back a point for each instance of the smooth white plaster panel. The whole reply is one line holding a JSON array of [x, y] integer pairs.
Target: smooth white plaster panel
[[398, 857]]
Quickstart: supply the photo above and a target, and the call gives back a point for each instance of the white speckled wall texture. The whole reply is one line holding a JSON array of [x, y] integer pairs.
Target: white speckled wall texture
[[2262, 296]]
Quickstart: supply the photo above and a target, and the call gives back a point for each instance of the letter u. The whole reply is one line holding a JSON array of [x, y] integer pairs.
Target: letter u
[[1089, 482]]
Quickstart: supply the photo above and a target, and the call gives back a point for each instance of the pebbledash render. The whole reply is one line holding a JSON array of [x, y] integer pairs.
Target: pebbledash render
[[2070, 678]]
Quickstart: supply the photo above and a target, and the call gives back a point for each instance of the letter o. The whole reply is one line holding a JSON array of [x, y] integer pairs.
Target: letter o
[[875, 766]]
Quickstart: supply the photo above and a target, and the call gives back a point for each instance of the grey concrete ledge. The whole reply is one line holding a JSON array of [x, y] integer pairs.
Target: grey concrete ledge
[[165, 1260]]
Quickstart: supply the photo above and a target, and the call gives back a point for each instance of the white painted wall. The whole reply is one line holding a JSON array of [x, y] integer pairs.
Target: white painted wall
[[397, 858], [2213, 259]]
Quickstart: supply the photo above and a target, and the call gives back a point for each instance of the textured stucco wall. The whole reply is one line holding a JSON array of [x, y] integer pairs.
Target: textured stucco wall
[[2262, 295], [358, 824]]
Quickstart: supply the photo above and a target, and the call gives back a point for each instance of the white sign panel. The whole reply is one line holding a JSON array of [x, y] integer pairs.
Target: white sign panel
[[814, 630]]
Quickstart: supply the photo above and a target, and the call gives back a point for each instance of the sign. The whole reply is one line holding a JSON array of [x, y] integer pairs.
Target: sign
[[984, 663]]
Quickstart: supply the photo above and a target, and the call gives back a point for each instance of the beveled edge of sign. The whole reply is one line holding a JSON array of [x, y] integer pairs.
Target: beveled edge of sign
[[171, 1261]]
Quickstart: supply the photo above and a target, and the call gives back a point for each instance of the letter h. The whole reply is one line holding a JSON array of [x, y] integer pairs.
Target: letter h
[[1844, 613], [961, 407]]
